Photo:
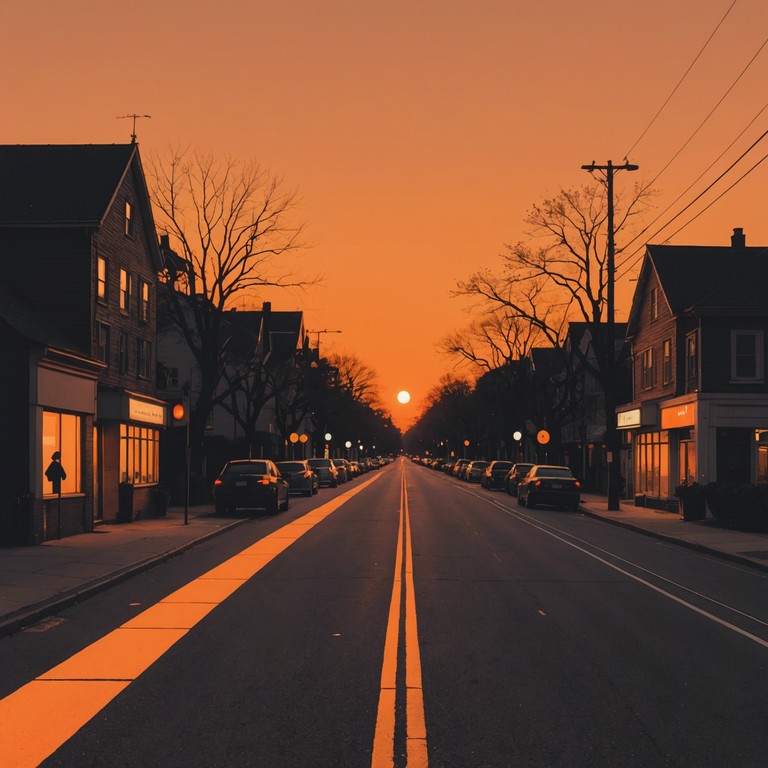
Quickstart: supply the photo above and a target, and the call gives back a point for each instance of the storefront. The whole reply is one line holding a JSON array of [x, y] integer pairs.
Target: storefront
[[128, 455]]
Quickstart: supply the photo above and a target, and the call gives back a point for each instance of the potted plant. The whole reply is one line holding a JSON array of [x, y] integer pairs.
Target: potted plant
[[693, 501]]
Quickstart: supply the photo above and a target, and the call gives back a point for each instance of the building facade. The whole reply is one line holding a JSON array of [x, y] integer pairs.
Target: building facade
[[698, 329]]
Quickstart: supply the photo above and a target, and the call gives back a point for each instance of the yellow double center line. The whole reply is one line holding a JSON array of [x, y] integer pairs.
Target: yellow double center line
[[415, 725]]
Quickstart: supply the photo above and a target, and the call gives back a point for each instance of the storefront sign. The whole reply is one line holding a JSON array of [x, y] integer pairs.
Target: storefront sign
[[628, 419], [149, 413], [678, 416]]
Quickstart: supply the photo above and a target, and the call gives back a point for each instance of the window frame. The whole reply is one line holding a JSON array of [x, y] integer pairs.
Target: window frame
[[63, 432], [129, 219], [102, 279], [144, 298], [692, 359], [757, 356], [666, 361], [126, 288], [103, 343], [143, 358], [647, 375]]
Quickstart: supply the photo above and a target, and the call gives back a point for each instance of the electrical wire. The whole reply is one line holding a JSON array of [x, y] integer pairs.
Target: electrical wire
[[680, 82]]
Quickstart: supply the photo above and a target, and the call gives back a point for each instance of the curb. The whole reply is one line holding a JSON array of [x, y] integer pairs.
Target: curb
[[730, 556], [24, 617]]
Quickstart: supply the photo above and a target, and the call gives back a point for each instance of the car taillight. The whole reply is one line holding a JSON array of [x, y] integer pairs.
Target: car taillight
[[218, 481], [576, 484], [264, 481], [537, 483]]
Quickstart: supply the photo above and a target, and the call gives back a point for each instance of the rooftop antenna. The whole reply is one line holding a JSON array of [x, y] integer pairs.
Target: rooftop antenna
[[134, 116]]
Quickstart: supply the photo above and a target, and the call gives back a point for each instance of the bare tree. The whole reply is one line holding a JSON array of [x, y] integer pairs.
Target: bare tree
[[561, 278], [228, 226]]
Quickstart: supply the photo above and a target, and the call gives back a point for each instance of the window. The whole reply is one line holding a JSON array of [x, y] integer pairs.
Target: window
[[666, 361], [747, 355], [144, 301], [143, 354], [654, 303], [139, 455], [123, 357], [128, 219], [103, 342], [691, 356], [125, 291], [646, 369], [101, 279], [61, 432]]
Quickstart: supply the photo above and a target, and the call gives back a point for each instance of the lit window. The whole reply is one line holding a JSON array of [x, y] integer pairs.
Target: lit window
[[144, 301], [61, 432], [747, 355], [101, 279], [125, 291], [128, 219], [139, 455]]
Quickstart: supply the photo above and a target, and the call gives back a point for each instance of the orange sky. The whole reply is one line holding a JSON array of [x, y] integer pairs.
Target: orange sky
[[418, 133]]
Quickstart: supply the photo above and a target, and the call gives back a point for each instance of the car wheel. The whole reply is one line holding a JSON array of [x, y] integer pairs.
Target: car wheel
[[520, 500], [528, 503], [286, 503], [334, 483], [274, 504]]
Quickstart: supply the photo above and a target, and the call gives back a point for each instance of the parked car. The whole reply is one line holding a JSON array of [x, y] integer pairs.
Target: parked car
[[474, 471], [514, 476], [300, 476], [458, 466], [495, 474], [347, 467], [548, 484], [250, 484], [341, 470], [326, 472]]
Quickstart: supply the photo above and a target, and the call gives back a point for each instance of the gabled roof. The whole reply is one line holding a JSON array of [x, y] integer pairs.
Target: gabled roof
[[60, 185], [705, 280]]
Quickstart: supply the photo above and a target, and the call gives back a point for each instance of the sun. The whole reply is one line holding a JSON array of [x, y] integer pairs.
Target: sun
[[403, 397]]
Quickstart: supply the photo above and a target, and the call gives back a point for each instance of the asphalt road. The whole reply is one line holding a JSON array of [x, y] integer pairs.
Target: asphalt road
[[419, 622]]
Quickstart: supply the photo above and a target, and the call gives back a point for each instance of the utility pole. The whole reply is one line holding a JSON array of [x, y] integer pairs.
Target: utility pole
[[611, 430], [325, 330]]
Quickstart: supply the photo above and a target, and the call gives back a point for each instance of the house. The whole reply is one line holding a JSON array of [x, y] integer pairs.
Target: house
[[698, 328], [77, 316]]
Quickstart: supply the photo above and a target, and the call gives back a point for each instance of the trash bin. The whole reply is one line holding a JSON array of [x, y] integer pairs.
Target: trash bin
[[125, 503]]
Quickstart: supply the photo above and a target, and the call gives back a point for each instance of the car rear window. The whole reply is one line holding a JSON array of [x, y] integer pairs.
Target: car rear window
[[290, 466], [319, 462], [249, 468], [554, 472]]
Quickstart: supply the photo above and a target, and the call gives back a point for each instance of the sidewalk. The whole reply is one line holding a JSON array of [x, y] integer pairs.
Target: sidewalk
[[39, 581]]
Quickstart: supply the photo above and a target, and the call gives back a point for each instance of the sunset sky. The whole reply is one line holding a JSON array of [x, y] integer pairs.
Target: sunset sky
[[419, 134]]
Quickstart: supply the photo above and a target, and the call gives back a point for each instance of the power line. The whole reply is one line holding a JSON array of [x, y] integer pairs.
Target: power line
[[680, 82]]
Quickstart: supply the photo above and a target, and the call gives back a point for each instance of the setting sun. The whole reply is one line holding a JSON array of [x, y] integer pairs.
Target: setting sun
[[403, 397]]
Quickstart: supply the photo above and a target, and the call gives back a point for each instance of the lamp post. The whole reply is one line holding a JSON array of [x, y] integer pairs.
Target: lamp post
[[611, 430]]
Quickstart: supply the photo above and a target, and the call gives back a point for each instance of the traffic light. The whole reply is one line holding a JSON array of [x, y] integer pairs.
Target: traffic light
[[179, 410]]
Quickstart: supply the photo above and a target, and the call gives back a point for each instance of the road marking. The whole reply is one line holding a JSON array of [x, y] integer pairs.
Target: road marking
[[549, 530], [36, 719], [403, 594]]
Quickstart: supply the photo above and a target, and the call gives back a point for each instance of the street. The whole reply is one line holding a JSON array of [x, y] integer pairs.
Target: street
[[406, 618]]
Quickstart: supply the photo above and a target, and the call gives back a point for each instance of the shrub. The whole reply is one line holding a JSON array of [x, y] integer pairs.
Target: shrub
[[740, 506]]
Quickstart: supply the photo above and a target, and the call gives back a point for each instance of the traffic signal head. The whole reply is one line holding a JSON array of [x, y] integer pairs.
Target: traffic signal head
[[179, 413]]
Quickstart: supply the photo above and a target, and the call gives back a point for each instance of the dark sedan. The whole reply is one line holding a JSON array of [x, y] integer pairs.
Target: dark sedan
[[326, 472], [495, 474], [548, 484], [300, 476], [515, 475], [250, 484]]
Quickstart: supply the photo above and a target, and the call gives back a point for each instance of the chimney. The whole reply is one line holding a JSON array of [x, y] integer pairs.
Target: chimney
[[737, 238]]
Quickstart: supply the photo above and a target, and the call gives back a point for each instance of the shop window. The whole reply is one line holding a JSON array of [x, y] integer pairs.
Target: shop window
[[746, 355], [139, 455], [61, 432], [652, 464]]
